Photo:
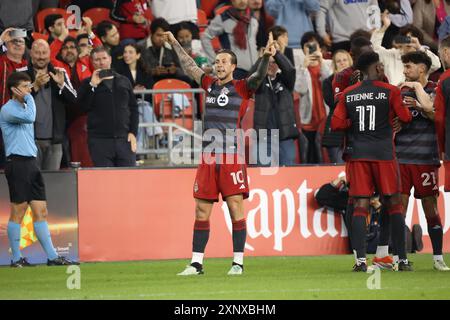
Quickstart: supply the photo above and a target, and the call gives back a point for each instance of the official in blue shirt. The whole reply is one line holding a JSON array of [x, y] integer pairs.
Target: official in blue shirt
[[25, 182]]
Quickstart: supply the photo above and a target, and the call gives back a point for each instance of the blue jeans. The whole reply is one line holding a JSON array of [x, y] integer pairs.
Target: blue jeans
[[286, 152], [335, 154]]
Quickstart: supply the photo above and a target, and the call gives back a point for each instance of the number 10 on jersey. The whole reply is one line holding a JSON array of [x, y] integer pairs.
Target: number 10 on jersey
[[363, 111]]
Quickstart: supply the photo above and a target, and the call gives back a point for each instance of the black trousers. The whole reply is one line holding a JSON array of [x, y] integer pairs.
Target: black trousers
[[111, 152]]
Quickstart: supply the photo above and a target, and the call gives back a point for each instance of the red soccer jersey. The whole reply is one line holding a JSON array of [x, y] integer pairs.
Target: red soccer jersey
[[341, 81], [7, 67], [440, 105]]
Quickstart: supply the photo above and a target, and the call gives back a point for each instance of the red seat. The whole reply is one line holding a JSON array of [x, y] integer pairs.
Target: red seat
[[40, 17], [208, 6], [162, 105], [202, 20], [98, 15]]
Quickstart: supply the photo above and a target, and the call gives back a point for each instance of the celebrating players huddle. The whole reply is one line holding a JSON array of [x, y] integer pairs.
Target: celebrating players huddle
[[392, 146]]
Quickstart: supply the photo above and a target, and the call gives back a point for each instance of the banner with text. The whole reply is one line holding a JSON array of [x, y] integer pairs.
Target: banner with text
[[143, 214]]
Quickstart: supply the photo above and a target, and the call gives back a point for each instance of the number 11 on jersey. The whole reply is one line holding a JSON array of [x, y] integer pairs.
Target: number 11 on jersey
[[362, 110]]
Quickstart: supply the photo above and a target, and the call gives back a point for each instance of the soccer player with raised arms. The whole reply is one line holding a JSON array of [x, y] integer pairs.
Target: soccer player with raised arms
[[226, 103]]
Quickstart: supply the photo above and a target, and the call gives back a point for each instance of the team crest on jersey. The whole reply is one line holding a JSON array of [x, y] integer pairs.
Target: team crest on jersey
[[222, 100], [224, 90]]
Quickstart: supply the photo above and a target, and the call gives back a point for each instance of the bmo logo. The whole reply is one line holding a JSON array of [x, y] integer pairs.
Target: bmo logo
[[222, 100]]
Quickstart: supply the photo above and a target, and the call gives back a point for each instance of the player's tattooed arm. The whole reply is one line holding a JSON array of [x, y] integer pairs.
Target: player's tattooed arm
[[256, 78], [186, 61], [254, 81]]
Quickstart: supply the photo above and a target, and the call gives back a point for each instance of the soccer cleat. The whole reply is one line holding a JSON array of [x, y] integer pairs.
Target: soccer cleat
[[362, 267], [23, 262], [383, 263], [403, 266], [440, 265], [191, 271], [61, 261], [236, 270]]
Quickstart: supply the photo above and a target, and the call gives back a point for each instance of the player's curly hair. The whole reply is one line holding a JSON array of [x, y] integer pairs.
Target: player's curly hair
[[417, 57]]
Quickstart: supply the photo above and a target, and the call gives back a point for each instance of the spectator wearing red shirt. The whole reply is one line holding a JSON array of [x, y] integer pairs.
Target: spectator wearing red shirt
[[134, 17], [313, 71], [10, 62], [77, 68]]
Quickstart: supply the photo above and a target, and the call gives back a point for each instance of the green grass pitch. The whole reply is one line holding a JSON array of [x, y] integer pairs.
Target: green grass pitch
[[283, 278]]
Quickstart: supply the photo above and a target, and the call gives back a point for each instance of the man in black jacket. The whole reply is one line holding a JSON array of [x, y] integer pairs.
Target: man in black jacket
[[112, 113], [52, 92], [274, 109]]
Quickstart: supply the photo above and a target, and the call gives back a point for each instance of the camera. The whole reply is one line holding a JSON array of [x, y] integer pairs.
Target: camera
[[105, 73], [312, 47], [402, 39], [407, 93], [18, 33]]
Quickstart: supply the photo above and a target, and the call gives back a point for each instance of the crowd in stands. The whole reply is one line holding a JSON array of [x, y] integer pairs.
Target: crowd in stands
[[317, 42]]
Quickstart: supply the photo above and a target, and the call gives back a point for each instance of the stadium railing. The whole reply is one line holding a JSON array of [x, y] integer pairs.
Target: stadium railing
[[172, 130]]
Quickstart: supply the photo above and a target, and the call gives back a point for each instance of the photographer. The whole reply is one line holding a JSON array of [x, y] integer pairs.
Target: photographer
[[409, 40], [53, 93], [313, 71], [400, 13], [112, 114]]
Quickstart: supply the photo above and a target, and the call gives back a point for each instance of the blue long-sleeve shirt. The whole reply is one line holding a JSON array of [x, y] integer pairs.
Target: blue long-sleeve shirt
[[294, 16], [17, 124]]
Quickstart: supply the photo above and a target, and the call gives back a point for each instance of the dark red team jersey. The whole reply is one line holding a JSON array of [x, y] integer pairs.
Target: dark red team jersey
[[366, 111], [441, 116], [341, 81], [225, 106]]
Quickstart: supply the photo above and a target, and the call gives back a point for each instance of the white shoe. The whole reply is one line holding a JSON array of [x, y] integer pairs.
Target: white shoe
[[440, 265], [190, 271], [235, 270]]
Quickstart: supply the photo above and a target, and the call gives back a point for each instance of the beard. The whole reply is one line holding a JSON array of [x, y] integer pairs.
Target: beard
[[70, 58]]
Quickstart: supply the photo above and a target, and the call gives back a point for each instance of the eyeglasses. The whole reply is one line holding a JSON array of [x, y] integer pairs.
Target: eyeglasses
[[18, 42]]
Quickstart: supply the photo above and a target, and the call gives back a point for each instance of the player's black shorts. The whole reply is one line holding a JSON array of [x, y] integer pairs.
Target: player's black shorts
[[25, 180]]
